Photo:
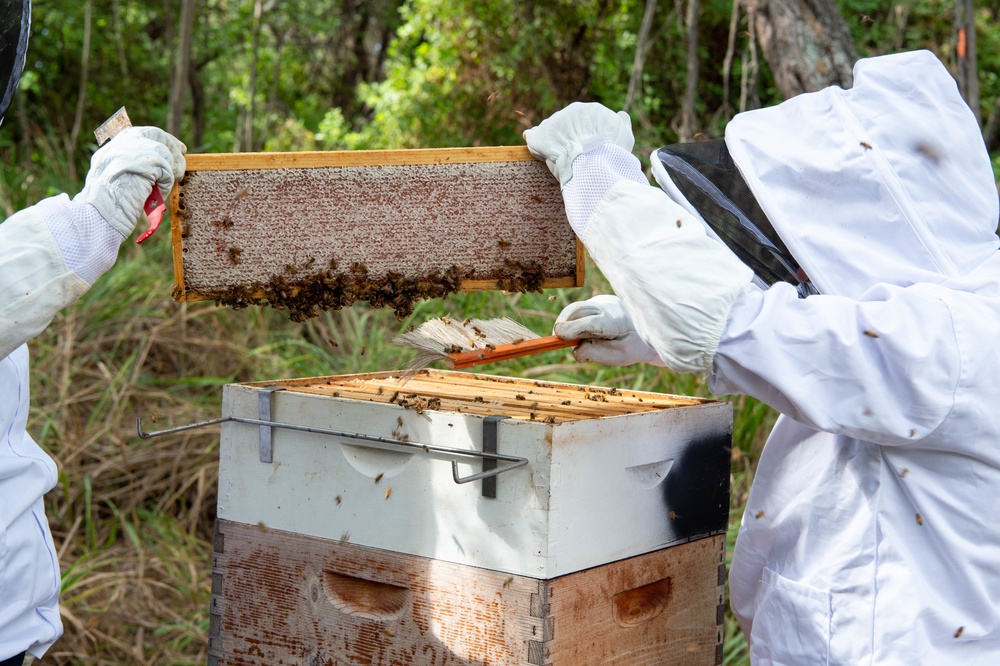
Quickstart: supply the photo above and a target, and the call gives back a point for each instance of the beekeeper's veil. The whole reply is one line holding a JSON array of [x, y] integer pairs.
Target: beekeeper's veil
[[837, 190], [15, 24]]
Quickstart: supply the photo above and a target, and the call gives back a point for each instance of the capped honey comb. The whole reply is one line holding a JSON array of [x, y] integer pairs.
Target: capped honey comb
[[307, 232]]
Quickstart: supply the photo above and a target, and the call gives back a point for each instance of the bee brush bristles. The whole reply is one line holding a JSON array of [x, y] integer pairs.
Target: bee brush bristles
[[437, 338]]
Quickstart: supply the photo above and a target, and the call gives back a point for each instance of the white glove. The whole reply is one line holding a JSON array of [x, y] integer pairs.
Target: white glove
[[577, 129], [123, 173], [607, 332]]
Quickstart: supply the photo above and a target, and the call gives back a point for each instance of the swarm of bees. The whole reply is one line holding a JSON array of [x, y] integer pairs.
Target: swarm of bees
[[304, 292], [523, 277]]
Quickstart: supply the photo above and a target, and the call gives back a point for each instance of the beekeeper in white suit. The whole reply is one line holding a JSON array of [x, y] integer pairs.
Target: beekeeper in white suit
[[50, 254], [872, 531]]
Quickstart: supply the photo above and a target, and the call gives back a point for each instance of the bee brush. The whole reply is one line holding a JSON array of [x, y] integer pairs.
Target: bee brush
[[476, 341]]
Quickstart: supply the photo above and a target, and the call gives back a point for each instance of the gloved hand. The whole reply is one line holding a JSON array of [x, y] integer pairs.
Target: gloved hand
[[577, 129], [608, 334], [124, 171]]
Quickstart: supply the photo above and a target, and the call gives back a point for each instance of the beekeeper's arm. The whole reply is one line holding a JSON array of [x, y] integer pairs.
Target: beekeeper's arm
[[676, 282], [52, 252], [885, 368]]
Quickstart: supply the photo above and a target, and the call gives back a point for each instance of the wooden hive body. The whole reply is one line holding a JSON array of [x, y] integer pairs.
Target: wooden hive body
[[284, 598], [307, 231], [619, 512]]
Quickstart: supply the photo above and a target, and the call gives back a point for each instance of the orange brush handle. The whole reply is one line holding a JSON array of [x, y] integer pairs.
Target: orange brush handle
[[472, 357]]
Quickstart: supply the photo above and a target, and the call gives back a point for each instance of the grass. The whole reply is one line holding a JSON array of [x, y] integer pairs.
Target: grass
[[132, 519]]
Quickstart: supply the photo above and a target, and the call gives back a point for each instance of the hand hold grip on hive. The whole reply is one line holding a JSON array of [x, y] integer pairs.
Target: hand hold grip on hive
[[313, 231], [641, 604], [366, 599]]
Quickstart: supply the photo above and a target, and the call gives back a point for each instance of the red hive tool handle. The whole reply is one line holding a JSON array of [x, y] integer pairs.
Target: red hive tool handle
[[472, 357], [155, 206]]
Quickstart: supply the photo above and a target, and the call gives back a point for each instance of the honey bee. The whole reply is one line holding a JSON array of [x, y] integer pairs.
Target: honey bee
[[913, 432], [337, 500], [493, 96], [388, 492], [871, 334], [507, 583], [920, 519], [958, 632], [333, 343], [345, 537], [503, 244], [679, 224], [552, 298], [866, 146], [234, 254], [759, 514], [673, 515], [929, 152], [904, 472], [378, 478]]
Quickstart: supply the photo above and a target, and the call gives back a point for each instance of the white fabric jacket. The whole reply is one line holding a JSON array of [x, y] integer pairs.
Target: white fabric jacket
[[44, 251], [872, 532]]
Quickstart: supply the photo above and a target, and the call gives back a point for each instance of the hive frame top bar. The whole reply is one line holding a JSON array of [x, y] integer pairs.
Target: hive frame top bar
[[335, 158]]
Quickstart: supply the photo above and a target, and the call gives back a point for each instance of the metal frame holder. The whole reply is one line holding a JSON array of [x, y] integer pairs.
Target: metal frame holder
[[491, 460]]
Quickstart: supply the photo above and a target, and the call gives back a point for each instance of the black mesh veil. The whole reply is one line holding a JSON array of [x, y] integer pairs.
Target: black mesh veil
[[15, 20], [708, 178]]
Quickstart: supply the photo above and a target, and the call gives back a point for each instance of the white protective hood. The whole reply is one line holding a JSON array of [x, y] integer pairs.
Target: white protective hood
[[888, 181]]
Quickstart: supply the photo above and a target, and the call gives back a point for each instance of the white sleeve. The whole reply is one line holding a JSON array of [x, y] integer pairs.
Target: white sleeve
[[883, 368], [50, 254], [676, 282]]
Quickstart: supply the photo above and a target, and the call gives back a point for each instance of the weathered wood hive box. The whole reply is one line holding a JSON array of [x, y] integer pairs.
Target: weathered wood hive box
[[446, 518]]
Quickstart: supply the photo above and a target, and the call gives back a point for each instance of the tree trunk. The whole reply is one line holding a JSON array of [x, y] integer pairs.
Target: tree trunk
[[641, 47], [687, 131], [182, 66], [246, 143], [197, 107], [965, 54], [116, 13], [81, 97], [805, 43]]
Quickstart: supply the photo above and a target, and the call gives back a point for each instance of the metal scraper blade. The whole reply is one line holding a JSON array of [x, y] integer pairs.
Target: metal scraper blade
[[112, 126]]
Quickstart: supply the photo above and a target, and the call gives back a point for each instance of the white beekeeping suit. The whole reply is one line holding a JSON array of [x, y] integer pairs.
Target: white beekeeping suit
[[872, 531], [50, 254]]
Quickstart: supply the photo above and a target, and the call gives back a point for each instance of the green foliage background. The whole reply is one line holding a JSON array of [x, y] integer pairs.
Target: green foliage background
[[133, 519]]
